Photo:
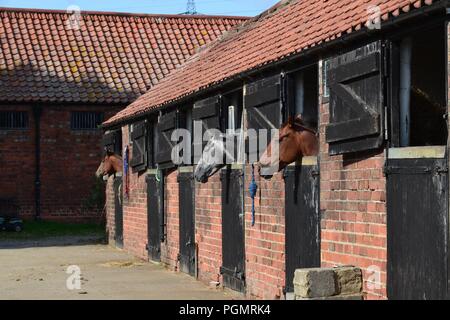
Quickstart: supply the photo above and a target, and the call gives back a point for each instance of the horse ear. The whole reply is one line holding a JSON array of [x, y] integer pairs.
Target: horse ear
[[290, 121]]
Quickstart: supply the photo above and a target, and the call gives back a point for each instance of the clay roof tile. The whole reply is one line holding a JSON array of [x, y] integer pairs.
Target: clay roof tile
[[287, 28], [108, 48]]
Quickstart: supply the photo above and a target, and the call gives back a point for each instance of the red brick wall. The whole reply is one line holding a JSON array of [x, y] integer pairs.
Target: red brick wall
[[135, 225], [353, 222], [17, 163], [134, 209], [69, 160], [265, 241], [208, 222], [353, 208]]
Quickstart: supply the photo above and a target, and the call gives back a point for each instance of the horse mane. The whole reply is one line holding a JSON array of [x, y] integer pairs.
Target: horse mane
[[298, 123], [218, 142], [111, 153]]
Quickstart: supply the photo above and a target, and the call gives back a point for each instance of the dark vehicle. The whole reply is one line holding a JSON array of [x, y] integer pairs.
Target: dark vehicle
[[11, 224]]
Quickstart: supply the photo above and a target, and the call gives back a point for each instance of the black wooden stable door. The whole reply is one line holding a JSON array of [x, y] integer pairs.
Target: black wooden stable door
[[302, 220], [233, 252], [417, 223], [356, 83], [118, 212], [154, 220], [187, 223]]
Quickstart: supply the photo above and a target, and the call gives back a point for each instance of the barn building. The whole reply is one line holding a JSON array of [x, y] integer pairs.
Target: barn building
[[63, 74], [373, 77]]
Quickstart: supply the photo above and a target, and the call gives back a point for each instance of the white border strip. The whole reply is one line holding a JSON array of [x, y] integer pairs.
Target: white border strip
[[186, 169], [152, 171], [305, 161], [433, 152]]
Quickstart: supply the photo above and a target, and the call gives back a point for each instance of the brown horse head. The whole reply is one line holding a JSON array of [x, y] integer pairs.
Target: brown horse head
[[111, 164], [296, 140]]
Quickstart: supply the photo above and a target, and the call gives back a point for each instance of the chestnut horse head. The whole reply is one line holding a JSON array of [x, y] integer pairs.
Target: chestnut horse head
[[111, 164], [296, 140]]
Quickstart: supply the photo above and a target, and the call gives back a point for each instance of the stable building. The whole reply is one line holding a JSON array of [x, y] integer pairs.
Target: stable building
[[374, 80], [63, 74]]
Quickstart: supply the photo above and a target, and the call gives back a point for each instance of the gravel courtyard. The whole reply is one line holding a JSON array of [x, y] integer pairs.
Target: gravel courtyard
[[106, 273]]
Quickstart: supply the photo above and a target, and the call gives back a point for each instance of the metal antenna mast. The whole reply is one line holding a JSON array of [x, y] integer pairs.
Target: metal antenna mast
[[190, 8]]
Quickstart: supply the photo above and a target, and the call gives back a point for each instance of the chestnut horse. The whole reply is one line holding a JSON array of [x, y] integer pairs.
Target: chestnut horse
[[111, 164], [296, 140]]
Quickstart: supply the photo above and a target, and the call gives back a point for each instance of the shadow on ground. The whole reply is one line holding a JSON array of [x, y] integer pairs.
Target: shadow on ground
[[61, 241], [53, 234]]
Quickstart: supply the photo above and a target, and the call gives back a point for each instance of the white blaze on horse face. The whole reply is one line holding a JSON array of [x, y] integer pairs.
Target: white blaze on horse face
[[270, 161], [181, 153], [274, 156]]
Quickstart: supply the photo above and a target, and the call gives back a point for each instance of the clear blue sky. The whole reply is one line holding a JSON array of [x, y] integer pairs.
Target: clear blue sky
[[219, 7]]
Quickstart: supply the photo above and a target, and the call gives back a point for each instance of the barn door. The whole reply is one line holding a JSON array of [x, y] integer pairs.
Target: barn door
[[417, 228], [302, 218], [164, 144], [154, 221], [356, 82], [187, 223], [118, 212], [138, 160], [262, 101], [233, 250], [206, 114]]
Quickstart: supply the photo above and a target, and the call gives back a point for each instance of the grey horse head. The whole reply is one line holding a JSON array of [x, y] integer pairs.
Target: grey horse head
[[215, 156]]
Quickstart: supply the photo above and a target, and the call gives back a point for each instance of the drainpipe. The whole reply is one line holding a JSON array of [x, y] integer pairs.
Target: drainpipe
[[37, 111], [405, 91]]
